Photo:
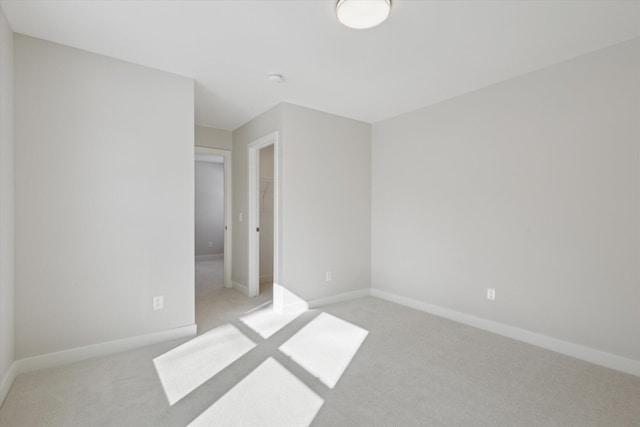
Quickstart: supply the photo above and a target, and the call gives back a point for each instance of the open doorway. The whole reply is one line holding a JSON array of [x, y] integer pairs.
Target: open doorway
[[266, 220], [263, 216], [212, 235]]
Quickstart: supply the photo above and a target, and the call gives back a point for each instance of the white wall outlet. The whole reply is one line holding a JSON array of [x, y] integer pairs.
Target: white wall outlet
[[158, 302], [210, 244], [491, 294], [240, 217], [328, 276]]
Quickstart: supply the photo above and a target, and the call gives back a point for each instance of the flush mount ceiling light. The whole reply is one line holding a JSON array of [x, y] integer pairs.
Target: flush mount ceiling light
[[362, 14], [276, 78]]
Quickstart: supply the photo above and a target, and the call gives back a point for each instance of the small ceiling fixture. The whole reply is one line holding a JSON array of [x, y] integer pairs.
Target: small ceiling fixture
[[276, 78], [362, 14]]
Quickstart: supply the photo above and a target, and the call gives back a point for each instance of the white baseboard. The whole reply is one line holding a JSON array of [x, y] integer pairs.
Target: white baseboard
[[302, 305], [209, 257], [240, 288], [7, 381], [578, 351], [101, 349], [333, 299]]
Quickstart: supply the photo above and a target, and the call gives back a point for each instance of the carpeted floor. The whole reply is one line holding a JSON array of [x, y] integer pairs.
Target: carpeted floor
[[412, 369], [209, 274], [223, 305]]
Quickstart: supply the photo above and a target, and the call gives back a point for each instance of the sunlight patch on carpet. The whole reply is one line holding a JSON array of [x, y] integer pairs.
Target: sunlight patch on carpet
[[190, 365], [266, 322], [325, 347], [270, 396]]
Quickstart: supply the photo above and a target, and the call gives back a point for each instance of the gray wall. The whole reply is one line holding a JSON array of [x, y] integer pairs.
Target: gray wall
[[209, 205], [104, 198], [325, 199], [213, 138], [531, 187], [6, 197]]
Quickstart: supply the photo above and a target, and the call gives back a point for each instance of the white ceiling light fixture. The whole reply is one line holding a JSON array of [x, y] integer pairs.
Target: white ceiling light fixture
[[276, 78], [362, 14]]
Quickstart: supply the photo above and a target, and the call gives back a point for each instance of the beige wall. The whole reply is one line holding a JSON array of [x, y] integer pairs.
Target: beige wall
[[268, 122], [6, 198], [531, 187], [213, 138], [104, 198], [325, 201], [209, 208]]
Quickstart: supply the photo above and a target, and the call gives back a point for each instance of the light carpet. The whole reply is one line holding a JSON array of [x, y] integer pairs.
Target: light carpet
[[413, 369], [187, 366], [209, 275], [270, 396]]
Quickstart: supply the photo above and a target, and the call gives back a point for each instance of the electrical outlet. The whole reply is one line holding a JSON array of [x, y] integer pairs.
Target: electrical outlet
[[210, 244], [158, 302], [491, 294], [328, 276], [240, 217]]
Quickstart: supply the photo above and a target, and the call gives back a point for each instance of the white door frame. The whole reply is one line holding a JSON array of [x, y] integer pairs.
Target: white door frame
[[228, 223], [254, 210]]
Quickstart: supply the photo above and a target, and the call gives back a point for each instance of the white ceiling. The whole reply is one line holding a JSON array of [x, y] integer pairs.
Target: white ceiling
[[426, 52]]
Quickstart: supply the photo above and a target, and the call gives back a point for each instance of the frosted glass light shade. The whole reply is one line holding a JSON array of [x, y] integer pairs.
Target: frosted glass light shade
[[362, 14]]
